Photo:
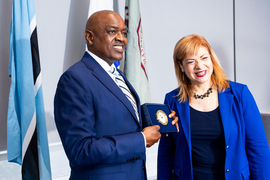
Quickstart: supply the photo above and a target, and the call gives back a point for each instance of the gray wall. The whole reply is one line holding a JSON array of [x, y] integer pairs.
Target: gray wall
[[61, 43], [253, 49]]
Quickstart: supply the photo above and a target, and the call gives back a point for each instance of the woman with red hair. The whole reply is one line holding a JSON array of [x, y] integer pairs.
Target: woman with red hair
[[221, 134]]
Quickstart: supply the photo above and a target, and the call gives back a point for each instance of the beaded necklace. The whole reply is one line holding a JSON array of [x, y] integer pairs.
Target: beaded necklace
[[209, 91]]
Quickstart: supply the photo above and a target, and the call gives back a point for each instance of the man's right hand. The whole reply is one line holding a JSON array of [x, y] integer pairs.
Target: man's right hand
[[151, 134]]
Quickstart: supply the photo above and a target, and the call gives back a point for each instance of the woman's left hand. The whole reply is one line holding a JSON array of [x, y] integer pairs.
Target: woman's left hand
[[174, 121]]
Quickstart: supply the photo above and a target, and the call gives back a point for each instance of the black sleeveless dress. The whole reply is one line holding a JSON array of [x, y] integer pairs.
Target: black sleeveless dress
[[208, 145]]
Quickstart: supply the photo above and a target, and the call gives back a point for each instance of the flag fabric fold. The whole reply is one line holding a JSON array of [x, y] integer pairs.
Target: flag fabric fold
[[135, 60], [27, 142]]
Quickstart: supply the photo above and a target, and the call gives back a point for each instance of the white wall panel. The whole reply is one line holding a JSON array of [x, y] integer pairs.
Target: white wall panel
[[165, 22], [253, 49]]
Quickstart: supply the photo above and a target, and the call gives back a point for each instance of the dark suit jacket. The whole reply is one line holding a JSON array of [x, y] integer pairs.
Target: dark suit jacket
[[247, 150], [97, 125]]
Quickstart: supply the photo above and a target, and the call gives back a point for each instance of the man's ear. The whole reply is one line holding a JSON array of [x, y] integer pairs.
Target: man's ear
[[89, 37]]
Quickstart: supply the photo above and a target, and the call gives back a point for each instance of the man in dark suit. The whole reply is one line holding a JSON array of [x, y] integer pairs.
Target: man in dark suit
[[101, 133]]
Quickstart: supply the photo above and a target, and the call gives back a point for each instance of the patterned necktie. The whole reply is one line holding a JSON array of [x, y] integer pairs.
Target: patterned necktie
[[123, 86]]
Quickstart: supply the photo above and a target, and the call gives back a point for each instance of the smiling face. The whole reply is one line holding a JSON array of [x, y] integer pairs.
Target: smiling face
[[106, 36], [198, 67]]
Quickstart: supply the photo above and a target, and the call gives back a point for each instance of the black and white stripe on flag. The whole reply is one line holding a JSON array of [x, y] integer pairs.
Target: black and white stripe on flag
[[30, 164]]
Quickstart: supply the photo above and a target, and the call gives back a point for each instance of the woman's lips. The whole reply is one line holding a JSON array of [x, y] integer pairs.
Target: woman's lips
[[201, 73]]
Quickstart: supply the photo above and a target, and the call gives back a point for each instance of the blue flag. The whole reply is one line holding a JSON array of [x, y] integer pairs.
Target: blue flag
[[27, 142], [117, 64]]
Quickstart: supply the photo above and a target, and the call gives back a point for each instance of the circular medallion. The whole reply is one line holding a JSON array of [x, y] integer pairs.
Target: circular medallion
[[162, 117]]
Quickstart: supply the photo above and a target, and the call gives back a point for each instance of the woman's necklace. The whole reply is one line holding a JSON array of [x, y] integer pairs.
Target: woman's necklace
[[203, 95]]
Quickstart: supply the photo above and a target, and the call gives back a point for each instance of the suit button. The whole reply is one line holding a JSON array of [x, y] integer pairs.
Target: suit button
[[227, 146], [228, 170]]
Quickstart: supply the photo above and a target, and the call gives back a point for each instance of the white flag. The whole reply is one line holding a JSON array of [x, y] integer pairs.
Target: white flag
[[135, 60], [98, 5]]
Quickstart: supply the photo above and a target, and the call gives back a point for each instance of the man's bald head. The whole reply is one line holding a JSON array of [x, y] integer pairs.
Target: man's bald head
[[105, 33], [98, 16]]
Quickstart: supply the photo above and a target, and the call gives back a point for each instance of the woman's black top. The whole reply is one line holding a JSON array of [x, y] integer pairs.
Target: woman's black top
[[208, 145]]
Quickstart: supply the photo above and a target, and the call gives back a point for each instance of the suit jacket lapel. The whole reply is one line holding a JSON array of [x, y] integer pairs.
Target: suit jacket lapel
[[225, 106], [107, 81], [184, 115]]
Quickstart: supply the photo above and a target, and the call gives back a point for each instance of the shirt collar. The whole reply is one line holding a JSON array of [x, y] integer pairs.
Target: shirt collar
[[101, 62]]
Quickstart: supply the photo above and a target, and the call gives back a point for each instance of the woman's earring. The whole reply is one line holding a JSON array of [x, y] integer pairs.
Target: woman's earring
[[183, 76]]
